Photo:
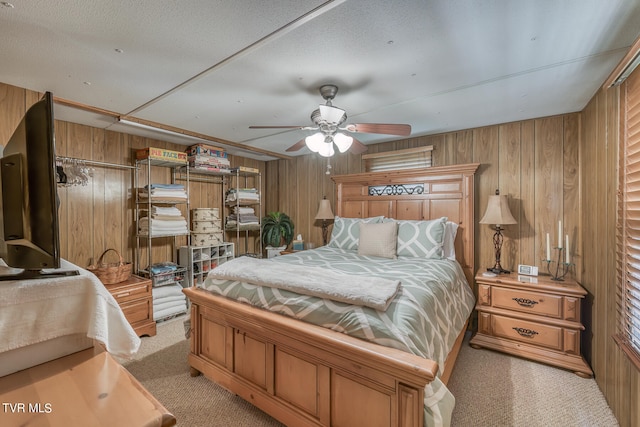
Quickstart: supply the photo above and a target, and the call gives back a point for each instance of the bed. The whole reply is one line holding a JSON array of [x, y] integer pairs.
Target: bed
[[335, 371]]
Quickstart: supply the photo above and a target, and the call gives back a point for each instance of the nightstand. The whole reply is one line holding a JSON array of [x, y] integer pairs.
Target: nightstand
[[136, 301], [532, 317]]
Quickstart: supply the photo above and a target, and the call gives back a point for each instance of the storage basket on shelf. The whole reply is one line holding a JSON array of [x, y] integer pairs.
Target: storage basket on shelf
[[113, 272]]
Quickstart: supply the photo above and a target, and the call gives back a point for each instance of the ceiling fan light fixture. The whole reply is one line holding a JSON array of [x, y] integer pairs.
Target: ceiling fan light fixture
[[342, 141], [314, 142], [332, 115], [326, 149]]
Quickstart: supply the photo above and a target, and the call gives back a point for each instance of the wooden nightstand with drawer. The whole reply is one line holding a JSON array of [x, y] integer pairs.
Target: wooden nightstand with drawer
[[136, 301], [532, 317]]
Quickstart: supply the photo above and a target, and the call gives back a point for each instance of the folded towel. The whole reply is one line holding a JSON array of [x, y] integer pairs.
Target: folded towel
[[170, 300], [167, 211], [167, 291], [160, 226], [168, 312], [169, 304], [243, 210], [165, 186]]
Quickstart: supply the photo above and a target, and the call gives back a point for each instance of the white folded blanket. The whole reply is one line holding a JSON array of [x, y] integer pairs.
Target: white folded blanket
[[168, 211], [168, 305], [171, 311], [374, 292], [167, 291], [164, 300]]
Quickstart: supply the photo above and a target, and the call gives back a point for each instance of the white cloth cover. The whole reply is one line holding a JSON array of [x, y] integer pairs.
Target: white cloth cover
[[37, 310]]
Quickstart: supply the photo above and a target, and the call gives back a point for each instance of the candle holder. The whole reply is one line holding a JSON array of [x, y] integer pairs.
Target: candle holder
[[561, 268]]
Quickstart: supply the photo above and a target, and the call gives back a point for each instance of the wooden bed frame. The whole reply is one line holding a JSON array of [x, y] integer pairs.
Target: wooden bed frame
[[306, 375]]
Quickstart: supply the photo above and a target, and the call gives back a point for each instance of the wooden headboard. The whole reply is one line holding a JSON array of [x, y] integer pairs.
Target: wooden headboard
[[418, 194]]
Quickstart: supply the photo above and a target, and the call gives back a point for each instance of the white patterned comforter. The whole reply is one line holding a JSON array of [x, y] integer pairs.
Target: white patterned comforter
[[424, 318]]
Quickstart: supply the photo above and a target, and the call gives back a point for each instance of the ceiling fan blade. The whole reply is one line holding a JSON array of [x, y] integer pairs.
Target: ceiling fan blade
[[387, 129], [298, 145], [278, 127], [357, 147]]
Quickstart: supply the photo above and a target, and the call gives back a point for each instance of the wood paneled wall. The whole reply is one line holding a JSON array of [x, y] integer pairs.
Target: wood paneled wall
[[552, 168], [101, 215], [534, 162], [618, 379]]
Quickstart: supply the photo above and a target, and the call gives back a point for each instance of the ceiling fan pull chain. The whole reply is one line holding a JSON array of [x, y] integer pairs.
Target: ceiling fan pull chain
[[328, 172]]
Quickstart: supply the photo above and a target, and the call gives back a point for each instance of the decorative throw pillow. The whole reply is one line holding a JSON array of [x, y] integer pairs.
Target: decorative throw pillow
[[424, 239], [378, 239], [346, 231]]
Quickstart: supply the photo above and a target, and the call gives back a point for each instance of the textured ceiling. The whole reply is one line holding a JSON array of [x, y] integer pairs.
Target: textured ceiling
[[217, 67]]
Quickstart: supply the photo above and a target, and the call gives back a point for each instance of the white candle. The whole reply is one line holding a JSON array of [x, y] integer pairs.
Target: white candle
[[560, 234], [567, 248], [548, 258]]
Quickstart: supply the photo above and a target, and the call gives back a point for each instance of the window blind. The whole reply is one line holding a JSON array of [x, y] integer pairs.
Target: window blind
[[629, 222], [410, 158]]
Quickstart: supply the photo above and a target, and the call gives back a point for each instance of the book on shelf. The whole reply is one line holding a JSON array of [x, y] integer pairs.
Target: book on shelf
[[161, 154], [206, 150], [248, 169]]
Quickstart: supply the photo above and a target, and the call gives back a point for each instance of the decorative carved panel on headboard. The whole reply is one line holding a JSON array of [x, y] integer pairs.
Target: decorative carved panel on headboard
[[420, 194]]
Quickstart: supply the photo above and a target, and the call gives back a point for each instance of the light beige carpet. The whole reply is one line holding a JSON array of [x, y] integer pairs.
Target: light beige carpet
[[491, 389]]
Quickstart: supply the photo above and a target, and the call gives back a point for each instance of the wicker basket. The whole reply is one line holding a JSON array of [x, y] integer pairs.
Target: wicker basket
[[110, 273]]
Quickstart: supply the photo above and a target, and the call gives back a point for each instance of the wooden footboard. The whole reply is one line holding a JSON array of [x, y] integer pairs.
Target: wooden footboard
[[302, 374]]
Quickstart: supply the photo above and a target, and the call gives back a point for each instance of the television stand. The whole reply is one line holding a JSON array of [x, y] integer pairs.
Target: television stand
[[35, 274]]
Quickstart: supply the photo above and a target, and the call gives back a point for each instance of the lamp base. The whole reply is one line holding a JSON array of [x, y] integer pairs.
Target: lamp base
[[497, 245], [498, 270], [325, 231]]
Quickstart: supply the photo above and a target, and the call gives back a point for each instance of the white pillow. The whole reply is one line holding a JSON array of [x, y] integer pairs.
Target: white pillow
[[450, 231], [378, 239]]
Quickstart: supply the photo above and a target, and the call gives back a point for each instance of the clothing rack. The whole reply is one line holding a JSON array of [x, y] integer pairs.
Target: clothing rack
[[94, 163]]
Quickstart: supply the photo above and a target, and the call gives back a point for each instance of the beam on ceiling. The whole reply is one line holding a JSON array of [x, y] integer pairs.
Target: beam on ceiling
[[170, 129]]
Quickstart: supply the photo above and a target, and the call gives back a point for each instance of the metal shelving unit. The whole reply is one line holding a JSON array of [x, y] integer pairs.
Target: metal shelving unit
[[145, 205], [237, 180]]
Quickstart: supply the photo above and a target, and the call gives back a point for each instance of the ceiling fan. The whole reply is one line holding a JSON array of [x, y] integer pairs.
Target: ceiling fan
[[328, 119]]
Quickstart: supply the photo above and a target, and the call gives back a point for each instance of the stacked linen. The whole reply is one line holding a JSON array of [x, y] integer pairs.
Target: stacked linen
[[242, 216], [163, 221], [243, 195], [164, 192], [166, 212], [168, 301]]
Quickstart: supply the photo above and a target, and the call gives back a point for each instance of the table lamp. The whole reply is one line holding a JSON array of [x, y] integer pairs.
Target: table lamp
[[325, 214], [498, 214]]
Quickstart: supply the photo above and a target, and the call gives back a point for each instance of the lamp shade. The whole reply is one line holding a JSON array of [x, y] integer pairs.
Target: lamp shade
[[342, 141], [324, 211], [326, 148], [498, 212], [315, 141]]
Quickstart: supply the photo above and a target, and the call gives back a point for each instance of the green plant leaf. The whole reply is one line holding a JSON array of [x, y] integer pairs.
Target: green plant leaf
[[276, 227]]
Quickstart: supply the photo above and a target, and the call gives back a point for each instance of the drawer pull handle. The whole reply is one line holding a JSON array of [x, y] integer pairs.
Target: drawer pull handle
[[123, 294], [525, 302], [525, 332]]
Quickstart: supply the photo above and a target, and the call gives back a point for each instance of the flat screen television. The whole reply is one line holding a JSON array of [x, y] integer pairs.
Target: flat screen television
[[31, 239]]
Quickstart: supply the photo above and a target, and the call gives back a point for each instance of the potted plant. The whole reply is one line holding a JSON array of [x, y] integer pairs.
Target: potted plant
[[277, 229]]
